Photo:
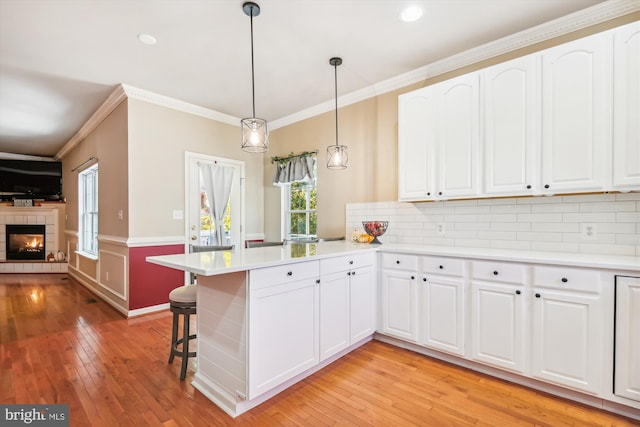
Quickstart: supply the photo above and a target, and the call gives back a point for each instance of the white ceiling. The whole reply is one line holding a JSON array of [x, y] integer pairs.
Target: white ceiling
[[59, 60]]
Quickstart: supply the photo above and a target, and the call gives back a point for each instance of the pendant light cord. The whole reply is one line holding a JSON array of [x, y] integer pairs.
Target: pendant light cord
[[253, 84], [335, 69]]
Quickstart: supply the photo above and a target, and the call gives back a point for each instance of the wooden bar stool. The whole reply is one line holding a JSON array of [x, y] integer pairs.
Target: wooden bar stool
[[182, 301]]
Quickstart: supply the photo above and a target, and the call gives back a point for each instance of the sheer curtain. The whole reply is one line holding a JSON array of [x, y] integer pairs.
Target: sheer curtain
[[217, 185], [295, 170]]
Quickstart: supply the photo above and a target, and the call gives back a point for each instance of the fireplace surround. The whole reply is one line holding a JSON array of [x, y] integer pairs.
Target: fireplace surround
[[25, 242]]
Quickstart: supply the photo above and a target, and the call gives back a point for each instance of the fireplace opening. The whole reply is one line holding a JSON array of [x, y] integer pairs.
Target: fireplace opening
[[25, 242]]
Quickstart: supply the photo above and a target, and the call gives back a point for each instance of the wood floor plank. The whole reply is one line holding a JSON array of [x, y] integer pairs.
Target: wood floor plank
[[57, 346]]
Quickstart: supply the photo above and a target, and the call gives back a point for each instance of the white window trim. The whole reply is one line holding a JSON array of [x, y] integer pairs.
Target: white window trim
[[81, 250]]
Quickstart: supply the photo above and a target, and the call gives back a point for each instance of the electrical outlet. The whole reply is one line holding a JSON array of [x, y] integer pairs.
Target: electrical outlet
[[178, 214], [589, 231], [441, 228]]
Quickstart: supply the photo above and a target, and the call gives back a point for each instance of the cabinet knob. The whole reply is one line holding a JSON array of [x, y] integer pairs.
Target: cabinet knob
[[518, 292], [398, 262], [348, 273], [537, 295], [439, 193], [546, 186], [424, 279], [429, 193], [564, 280], [351, 262], [495, 272], [289, 273], [353, 273], [528, 187], [413, 277], [441, 267], [317, 280]]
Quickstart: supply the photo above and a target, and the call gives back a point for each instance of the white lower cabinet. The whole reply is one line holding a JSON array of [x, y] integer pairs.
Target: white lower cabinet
[[498, 332], [442, 305], [627, 371], [283, 324], [347, 302], [567, 321], [399, 296]]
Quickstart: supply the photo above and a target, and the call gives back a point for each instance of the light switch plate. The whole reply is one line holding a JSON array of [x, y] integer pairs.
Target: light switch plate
[[178, 214]]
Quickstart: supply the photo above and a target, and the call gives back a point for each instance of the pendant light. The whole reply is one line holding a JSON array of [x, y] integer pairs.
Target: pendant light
[[337, 155], [255, 133]]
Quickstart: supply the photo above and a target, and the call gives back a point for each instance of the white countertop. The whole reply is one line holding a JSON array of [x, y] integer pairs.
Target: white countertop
[[214, 263]]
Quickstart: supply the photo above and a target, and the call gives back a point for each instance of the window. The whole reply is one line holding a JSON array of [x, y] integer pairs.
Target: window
[[88, 210], [300, 210]]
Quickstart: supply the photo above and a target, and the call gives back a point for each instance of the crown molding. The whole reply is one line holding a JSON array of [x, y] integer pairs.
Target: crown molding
[[576, 21], [176, 104]]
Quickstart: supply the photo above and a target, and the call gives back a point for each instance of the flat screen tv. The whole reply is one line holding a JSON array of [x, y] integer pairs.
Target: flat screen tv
[[30, 179]]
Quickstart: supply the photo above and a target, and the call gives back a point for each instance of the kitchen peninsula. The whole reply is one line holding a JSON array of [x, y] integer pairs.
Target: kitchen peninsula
[[268, 317]]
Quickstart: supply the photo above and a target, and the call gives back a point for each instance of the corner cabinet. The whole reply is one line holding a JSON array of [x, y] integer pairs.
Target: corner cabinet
[[438, 132], [399, 296]]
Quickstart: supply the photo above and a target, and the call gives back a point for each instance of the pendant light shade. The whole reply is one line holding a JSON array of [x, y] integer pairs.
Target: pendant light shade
[[337, 155], [255, 132]]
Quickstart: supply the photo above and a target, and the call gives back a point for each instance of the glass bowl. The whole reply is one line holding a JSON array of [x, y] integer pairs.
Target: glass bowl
[[375, 229]]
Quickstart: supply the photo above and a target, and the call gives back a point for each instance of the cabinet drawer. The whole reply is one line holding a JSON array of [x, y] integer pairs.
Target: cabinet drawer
[[498, 271], [400, 262], [346, 262], [575, 279], [269, 276], [443, 266]]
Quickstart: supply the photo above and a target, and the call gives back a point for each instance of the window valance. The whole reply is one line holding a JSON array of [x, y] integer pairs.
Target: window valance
[[295, 168]]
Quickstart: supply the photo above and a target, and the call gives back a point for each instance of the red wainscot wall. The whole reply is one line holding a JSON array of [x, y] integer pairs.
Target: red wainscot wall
[[150, 284]]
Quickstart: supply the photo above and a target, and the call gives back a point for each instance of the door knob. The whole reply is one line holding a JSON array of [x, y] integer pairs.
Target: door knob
[[194, 237]]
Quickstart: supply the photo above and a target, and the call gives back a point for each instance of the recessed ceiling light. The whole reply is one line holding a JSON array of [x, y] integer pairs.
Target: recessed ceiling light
[[147, 39], [411, 13]]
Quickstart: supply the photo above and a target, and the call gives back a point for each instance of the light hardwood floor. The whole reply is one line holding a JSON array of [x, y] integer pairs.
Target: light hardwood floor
[[59, 344]]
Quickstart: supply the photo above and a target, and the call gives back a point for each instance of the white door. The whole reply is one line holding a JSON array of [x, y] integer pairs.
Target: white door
[[567, 339], [498, 327], [511, 122], [576, 122], [334, 313], [399, 304], [362, 300], [627, 380], [200, 226], [443, 314], [626, 108], [458, 119]]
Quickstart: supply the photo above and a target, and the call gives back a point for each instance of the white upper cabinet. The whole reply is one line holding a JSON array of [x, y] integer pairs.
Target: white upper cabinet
[[438, 131], [576, 115], [511, 126], [416, 151], [626, 107]]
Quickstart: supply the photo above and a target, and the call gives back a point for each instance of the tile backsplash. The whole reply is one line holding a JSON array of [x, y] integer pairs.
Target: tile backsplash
[[593, 223]]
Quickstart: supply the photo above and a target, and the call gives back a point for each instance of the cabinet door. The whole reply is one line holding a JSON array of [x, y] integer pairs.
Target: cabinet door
[[458, 116], [399, 304], [416, 139], [362, 303], [627, 372], [511, 121], [566, 345], [283, 333], [443, 314], [498, 327], [576, 121], [334, 313], [626, 109]]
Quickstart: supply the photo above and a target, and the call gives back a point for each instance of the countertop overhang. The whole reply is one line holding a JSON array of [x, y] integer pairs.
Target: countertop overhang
[[239, 259]]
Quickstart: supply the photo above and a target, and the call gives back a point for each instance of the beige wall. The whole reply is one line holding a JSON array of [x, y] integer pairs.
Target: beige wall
[[158, 140], [370, 129]]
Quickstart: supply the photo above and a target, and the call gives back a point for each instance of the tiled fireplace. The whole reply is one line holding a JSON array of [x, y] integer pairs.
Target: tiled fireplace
[[27, 236]]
